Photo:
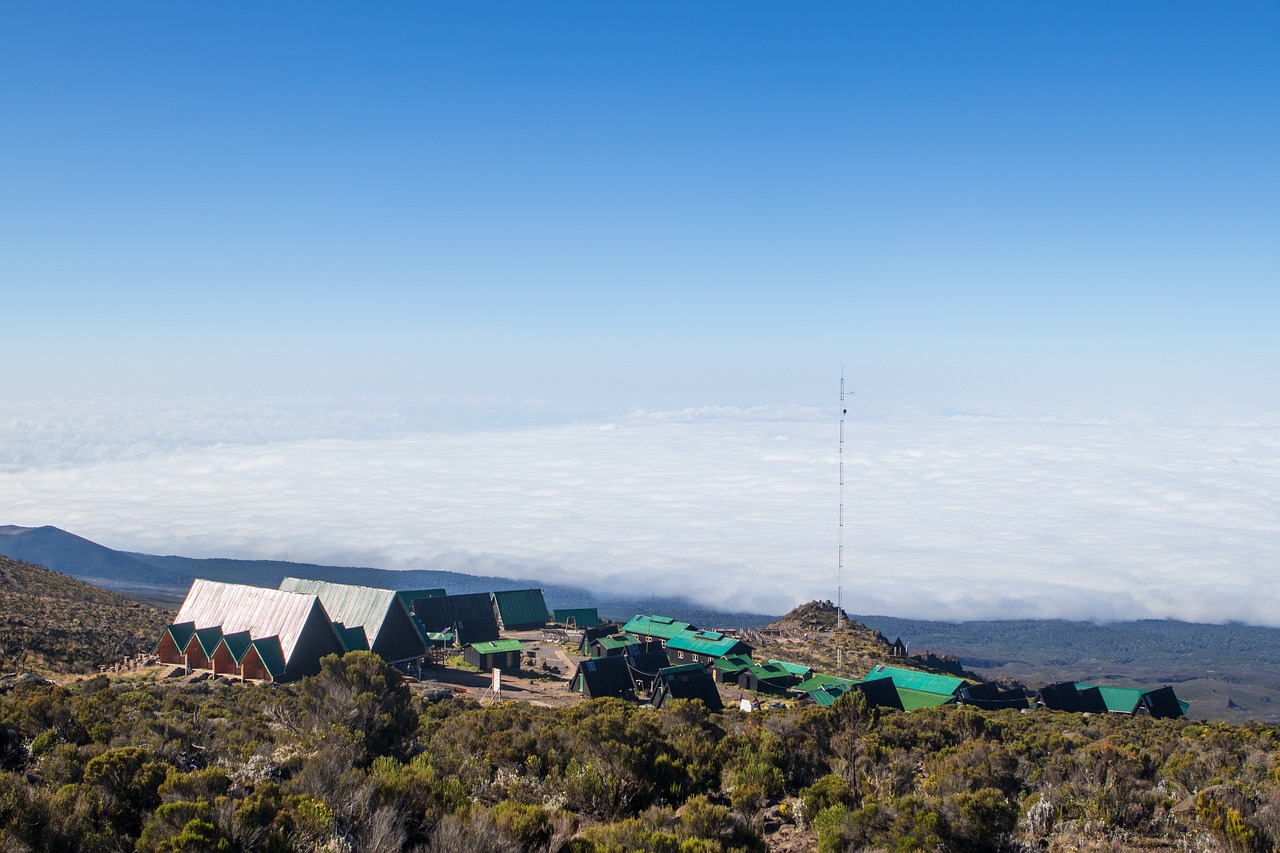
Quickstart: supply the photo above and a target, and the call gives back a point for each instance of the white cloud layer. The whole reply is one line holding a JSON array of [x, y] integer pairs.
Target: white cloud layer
[[946, 516]]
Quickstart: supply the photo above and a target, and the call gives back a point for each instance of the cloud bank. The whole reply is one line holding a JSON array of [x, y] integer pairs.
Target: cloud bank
[[947, 516]]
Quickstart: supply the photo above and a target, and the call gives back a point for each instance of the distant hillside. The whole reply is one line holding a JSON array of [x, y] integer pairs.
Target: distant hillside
[[54, 623], [1228, 672], [164, 580], [72, 555]]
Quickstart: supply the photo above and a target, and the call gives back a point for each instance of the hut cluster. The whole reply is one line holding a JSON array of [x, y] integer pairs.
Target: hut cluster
[[660, 657], [260, 634]]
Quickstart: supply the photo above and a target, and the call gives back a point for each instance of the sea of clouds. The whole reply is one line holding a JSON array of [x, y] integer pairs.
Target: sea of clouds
[[948, 515]]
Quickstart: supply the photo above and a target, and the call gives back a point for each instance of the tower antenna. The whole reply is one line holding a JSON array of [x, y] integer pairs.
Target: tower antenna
[[840, 545]]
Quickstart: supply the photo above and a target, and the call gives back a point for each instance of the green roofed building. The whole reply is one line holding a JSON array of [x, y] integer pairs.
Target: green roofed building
[[797, 669], [922, 682], [577, 617], [820, 681], [521, 609], [611, 645], [494, 654], [767, 678], [913, 700], [728, 668], [703, 647], [659, 628]]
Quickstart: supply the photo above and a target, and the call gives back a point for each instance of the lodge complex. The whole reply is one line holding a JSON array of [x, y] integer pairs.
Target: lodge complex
[[278, 635]]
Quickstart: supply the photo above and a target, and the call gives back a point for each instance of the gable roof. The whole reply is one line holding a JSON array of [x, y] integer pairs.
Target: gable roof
[[924, 682], [690, 681], [710, 643], [732, 664], [521, 608], [615, 641], [491, 647], [583, 617], [260, 611], [820, 681], [237, 645], [353, 639], [180, 633], [471, 613], [355, 607], [207, 639], [662, 627], [793, 668], [603, 677]]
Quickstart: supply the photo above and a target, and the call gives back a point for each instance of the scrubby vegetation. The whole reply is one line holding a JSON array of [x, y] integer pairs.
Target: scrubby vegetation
[[350, 760]]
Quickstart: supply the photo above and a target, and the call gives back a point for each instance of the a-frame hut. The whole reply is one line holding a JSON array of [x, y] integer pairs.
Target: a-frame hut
[[470, 615], [389, 630], [690, 681], [289, 632], [603, 677], [521, 609]]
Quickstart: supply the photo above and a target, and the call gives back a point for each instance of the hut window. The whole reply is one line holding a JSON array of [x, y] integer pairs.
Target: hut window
[[695, 658], [680, 655]]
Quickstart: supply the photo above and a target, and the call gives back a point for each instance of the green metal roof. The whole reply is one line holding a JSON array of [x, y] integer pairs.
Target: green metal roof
[[915, 699], [583, 617], [706, 643], [682, 668], [353, 639], [271, 654], [794, 668], [180, 632], [1119, 700], [663, 627], [208, 638], [820, 681], [491, 647], [770, 671], [237, 644], [827, 695], [616, 641], [945, 685], [408, 596], [732, 664], [521, 607]]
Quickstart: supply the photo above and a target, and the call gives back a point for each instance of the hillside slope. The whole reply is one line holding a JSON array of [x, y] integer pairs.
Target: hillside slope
[[53, 623]]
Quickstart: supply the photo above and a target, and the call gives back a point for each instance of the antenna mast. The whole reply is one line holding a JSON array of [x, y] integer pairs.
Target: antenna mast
[[840, 546]]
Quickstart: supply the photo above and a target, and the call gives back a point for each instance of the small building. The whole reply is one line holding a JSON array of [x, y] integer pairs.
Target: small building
[[169, 648], [603, 677], [690, 681], [470, 616], [767, 678], [797, 669], [920, 682], [897, 649], [656, 630], [520, 609], [727, 669], [703, 647], [576, 617], [604, 629], [494, 654], [380, 614], [612, 645], [1061, 696]]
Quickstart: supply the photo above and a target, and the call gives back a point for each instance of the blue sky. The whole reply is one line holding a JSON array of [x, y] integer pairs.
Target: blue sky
[[605, 206]]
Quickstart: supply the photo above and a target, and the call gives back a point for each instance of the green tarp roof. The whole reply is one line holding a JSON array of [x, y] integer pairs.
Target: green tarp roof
[[663, 627], [498, 646], [518, 607], [1119, 700], [945, 685], [915, 699]]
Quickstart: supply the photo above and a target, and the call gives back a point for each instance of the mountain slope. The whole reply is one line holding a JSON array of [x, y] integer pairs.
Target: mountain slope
[[78, 557], [52, 622]]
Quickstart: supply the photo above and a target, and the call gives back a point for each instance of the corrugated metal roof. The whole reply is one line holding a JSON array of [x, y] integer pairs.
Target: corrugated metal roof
[[239, 607], [820, 681], [732, 663], [945, 685], [408, 596], [490, 647], [705, 643], [915, 699], [663, 627], [521, 607], [583, 617], [354, 606], [793, 668], [1119, 700], [616, 641]]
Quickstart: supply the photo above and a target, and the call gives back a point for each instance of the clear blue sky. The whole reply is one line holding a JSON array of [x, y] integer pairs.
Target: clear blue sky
[[657, 204]]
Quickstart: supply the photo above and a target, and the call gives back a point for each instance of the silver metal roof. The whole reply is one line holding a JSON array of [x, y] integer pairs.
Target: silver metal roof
[[260, 611], [354, 606]]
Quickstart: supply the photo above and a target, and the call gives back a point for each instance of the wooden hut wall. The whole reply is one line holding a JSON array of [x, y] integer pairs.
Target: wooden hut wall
[[252, 667], [167, 650], [194, 654]]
